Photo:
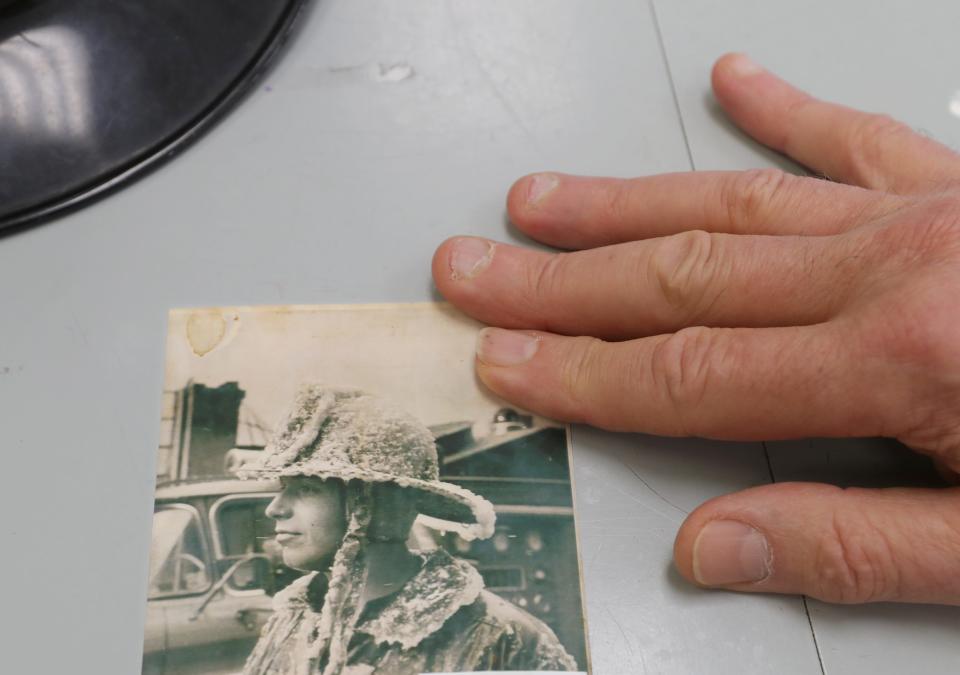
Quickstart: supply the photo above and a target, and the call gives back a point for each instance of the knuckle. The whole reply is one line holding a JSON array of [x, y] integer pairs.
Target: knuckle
[[680, 369], [938, 438], [868, 142], [578, 371], [923, 249], [939, 232], [683, 268], [544, 279], [931, 226], [922, 346], [616, 200], [855, 562], [746, 198]]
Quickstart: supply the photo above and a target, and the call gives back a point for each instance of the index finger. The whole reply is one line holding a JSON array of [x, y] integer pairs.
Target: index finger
[[583, 212]]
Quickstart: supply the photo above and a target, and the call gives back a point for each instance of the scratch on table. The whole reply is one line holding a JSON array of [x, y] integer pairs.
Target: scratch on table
[[654, 490], [645, 505], [596, 552], [393, 72], [497, 92], [32, 43], [77, 328], [346, 69], [389, 73], [626, 640]]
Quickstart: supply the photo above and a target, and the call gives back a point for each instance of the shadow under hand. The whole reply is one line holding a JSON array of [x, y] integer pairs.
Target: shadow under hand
[[778, 160]]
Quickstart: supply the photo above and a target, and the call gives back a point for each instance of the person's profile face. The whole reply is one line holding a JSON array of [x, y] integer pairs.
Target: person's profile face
[[310, 521]]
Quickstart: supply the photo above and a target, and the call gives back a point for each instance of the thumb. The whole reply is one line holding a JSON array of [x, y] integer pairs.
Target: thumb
[[838, 545]]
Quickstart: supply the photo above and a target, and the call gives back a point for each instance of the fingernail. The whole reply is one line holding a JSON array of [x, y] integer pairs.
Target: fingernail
[[541, 184], [730, 552], [742, 65], [498, 347], [469, 257]]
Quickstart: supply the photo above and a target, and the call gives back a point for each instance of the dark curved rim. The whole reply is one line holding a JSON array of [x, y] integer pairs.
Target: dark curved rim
[[170, 146]]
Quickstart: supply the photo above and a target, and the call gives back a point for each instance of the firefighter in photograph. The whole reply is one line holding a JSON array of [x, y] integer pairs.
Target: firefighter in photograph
[[355, 474]]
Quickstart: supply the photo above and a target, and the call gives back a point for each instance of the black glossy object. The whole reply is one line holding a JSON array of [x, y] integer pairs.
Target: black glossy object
[[94, 92]]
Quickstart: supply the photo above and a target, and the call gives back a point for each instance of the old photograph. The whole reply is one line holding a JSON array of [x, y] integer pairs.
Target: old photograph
[[337, 494]]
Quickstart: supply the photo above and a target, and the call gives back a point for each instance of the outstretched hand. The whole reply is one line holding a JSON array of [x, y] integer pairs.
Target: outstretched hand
[[752, 305]]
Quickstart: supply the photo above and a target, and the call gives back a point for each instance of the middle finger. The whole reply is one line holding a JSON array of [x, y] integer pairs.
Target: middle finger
[[651, 287]]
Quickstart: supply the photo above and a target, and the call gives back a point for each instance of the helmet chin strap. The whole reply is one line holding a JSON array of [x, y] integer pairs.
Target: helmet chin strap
[[328, 640]]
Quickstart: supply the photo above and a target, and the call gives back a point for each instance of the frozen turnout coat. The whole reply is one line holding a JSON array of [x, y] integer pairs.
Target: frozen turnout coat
[[442, 620]]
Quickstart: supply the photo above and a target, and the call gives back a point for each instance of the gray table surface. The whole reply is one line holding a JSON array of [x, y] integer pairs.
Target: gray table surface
[[387, 127]]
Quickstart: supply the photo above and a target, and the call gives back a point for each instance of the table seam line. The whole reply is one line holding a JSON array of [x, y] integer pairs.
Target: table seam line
[[673, 89]]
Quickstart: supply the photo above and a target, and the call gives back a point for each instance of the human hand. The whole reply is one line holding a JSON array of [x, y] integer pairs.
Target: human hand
[[746, 306]]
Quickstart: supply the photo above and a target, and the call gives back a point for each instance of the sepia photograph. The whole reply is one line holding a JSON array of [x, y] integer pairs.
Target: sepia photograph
[[337, 494]]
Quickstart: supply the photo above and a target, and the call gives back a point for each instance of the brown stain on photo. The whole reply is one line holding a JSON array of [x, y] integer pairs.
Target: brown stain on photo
[[205, 330]]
